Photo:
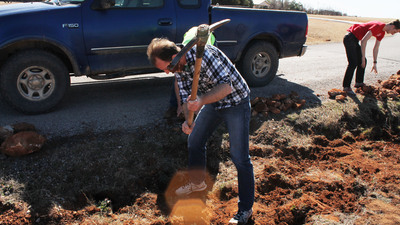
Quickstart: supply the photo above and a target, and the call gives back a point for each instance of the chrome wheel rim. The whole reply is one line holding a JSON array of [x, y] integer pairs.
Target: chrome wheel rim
[[261, 64], [36, 83]]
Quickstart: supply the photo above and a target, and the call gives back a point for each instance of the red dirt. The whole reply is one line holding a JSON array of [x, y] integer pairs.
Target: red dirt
[[325, 179], [330, 179]]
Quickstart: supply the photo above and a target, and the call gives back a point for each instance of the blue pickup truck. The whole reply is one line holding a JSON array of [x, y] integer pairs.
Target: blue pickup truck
[[42, 44]]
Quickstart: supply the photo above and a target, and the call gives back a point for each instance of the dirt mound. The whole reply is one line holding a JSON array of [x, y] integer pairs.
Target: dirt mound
[[385, 89], [333, 177]]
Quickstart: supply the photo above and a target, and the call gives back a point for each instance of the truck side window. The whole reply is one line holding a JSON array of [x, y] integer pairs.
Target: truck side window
[[189, 3], [119, 3], [140, 3]]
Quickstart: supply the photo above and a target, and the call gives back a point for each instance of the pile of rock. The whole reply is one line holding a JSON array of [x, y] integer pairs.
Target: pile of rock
[[20, 139], [386, 89], [276, 104]]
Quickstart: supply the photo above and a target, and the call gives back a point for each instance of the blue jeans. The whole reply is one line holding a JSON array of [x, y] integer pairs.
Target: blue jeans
[[237, 119]]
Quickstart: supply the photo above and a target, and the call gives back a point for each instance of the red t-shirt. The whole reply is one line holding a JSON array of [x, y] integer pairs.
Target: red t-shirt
[[359, 30]]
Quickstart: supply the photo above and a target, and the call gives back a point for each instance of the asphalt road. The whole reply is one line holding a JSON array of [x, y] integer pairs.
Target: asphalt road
[[93, 106]]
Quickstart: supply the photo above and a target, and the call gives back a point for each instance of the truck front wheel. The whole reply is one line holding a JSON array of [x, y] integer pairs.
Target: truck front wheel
[[259, 64], [33, 81]]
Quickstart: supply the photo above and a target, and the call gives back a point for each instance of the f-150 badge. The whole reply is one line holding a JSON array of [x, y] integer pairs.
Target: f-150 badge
[[70, 25]]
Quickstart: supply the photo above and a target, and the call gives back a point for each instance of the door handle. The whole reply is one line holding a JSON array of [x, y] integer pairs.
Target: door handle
[[165, 22]]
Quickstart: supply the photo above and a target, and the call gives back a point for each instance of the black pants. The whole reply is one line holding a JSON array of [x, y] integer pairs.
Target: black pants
[[353, 52]]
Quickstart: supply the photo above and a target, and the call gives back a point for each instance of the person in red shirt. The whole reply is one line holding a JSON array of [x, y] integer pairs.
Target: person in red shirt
[[355, 43]]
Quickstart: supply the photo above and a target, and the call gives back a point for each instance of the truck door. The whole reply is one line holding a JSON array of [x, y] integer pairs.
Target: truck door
[[117, 38], [190, 13]]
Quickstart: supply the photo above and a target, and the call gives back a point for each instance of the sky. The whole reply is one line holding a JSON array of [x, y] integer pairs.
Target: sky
[[362, 8]]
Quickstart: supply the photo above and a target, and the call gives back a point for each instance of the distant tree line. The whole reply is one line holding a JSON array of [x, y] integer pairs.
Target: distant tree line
[[285, 5], [280, 4], [325, 12]]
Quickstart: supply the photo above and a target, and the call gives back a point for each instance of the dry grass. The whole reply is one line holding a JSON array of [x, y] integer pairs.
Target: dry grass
[[320, 31], [353, 18], [326, 31]]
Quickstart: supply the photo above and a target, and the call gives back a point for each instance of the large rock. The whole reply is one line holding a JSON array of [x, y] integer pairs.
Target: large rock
[[22, 143], [335, 92], [9, 130]]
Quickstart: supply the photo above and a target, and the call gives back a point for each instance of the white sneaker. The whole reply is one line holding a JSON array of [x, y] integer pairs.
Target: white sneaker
[[241, 217], [191, 187]]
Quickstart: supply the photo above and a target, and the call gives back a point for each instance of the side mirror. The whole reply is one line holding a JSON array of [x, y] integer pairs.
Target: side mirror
[[102, 4]]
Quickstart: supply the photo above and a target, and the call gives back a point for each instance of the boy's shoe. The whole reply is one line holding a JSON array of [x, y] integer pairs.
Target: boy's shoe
[[191, 187], [241, 217], [357, 85], [349, 91]]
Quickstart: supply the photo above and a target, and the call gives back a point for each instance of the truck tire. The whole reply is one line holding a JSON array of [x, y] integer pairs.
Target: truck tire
[[259, 64], [33, 81]]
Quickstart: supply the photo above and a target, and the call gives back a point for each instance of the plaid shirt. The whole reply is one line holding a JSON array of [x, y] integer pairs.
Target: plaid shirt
[[216, 68]]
